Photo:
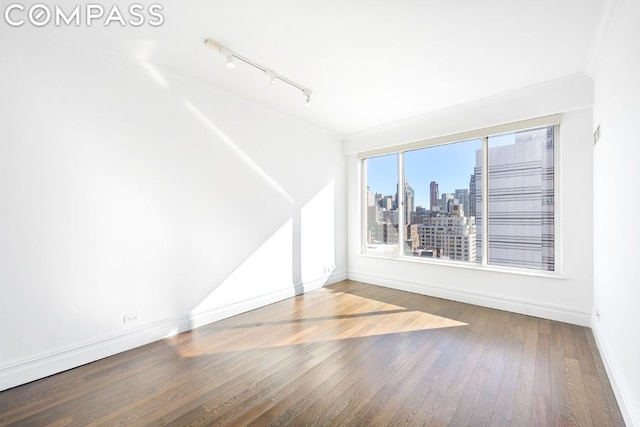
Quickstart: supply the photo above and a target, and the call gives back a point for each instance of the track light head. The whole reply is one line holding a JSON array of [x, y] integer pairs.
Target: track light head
[[307, 97], [230, 63], [226, 52], [271, 76]]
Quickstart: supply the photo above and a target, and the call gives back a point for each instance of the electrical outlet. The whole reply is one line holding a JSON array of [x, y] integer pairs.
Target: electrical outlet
[[131, 318], [329, 269]]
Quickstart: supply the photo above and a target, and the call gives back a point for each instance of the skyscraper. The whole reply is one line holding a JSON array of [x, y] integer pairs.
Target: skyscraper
[[434, 199], [521, 200], [471, 209], [409, 201], [447, 200], [462, 196]]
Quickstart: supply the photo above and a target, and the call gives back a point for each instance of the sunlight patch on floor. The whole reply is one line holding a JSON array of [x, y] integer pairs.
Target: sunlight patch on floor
[[352, 317]]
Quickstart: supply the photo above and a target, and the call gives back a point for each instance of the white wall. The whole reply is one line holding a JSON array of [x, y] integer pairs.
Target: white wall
[[616, 207], [568, 298], [127, 189]]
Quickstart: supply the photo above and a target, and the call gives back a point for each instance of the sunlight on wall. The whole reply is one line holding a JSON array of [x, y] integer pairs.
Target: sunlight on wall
[[318, 255], [154, 73], [237, 150], [267, 270], [142, 51]]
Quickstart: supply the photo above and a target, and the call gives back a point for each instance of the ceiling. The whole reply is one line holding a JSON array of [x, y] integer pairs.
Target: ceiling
[[368, 62]]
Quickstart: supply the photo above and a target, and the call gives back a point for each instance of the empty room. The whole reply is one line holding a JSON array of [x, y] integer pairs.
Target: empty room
[[336, 213]]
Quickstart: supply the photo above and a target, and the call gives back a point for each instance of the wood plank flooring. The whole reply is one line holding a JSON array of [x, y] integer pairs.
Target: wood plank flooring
[[349, 354]]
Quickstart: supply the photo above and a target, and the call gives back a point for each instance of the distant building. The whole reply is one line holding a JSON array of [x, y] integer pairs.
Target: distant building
[[409, 202], [387, 202], [383, 234], [434, 195], [372, 207], [447, 200], [412, 241], [419, 215], [521, 208], [462, 196], [451, 236], [471, 206]]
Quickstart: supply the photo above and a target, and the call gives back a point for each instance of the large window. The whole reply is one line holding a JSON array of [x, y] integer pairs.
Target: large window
[[437, 200]]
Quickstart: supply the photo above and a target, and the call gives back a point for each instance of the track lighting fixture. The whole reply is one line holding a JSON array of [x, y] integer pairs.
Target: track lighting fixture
[[271, 75]]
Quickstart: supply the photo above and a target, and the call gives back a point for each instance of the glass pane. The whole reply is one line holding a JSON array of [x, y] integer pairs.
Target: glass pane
[[440, 196], [521, 199], [381, 204]]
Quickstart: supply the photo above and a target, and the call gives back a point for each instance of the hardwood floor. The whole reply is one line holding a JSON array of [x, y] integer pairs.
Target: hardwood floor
[[346, 355]]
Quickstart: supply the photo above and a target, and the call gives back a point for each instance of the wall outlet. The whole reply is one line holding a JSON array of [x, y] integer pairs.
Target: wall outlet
[[131, 318], [329, 269]]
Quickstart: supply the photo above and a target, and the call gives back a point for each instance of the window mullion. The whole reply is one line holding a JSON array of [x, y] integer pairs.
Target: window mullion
[[485, 200], [363, 209], [557, 211], [401, 205]]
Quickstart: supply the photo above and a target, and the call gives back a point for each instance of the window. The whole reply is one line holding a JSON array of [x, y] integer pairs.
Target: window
[[440, 211], [521, 190]]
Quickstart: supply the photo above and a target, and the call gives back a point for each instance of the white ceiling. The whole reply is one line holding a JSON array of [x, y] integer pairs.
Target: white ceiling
[[368, 62]]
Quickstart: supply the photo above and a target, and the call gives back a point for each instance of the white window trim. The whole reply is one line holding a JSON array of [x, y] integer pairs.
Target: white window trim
[[552, 120], [482, 134]]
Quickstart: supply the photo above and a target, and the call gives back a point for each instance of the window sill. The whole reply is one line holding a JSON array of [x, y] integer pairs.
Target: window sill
[[469, 266]]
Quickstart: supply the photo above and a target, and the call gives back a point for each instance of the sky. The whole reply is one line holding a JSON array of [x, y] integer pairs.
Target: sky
[[449, 165]]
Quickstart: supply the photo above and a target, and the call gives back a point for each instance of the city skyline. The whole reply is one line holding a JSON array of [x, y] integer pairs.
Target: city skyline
[[450, 165], [446, 164]]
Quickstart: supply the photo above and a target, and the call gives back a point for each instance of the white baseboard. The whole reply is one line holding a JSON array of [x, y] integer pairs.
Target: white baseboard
[[629, 412], [336, 276], [210, 316], [516, 305], [44, 365]]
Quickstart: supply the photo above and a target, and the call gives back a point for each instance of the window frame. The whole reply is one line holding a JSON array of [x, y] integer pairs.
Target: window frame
[[483, 134]]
